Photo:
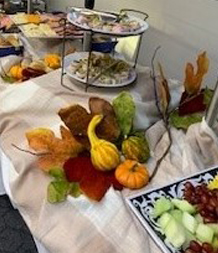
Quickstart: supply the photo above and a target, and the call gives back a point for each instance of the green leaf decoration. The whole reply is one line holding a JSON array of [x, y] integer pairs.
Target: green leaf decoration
[[57, 172], [124, 108], [8, 79], [75, 190], [208, 94], [57, 191], [184, 122]]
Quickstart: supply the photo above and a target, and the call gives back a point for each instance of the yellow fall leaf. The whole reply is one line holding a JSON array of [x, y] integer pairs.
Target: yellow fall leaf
[[59, 149], [40, 139]]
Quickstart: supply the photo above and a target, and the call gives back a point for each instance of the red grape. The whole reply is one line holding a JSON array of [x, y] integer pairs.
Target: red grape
[[207, 247], [195, 246]]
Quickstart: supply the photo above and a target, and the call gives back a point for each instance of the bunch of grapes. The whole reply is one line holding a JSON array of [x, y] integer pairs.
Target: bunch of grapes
[[205, 200], [195, 247]]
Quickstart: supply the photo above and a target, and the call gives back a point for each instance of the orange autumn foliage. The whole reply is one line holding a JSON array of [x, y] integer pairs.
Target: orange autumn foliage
[[57, 150], [193, 80]]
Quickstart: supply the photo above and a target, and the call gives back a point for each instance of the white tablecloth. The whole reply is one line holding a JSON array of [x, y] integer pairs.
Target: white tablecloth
[[97, 227]]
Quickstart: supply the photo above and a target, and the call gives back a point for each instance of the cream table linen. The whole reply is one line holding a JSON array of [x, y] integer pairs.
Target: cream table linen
[[75, 225], [80, 225]]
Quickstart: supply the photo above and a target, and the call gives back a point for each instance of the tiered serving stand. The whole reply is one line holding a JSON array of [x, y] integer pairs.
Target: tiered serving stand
[[73, 14]]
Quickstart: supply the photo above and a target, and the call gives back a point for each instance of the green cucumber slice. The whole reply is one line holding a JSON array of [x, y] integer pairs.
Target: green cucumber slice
[[175, 233], [184, 205], [161, 206], [199, 218], [189, 222], [214, 226], [204, 233], [215, 243], [177, 214], [188, 238], [164, 220]]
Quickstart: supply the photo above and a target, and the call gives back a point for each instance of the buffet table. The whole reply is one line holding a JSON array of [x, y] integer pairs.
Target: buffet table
[[81, 225]]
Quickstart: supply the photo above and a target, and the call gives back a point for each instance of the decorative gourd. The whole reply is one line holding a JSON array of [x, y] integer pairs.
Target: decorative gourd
[[132, 174], [52, 61], [16, 72], [135, 148], [104, 154]]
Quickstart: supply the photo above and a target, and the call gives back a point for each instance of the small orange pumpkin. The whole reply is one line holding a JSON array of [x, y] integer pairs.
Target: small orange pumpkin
[[132, 174], [16, 72]]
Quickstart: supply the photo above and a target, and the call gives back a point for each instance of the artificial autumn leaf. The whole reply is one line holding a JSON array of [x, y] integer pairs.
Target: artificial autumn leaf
[[163, 91], [60, 188], [193, 80], [108, 129], [57, 172], [77, 119], [57, 191], [190, 104], [8, 79], [184, 122], [75, 190], [93, 183], [124, 108], [40, 139], [58, 149]]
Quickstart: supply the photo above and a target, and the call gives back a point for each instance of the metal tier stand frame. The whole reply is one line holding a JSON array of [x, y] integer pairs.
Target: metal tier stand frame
[[91, 32]]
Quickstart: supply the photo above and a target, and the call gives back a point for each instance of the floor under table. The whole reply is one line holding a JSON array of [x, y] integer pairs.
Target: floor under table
[[15, 236]]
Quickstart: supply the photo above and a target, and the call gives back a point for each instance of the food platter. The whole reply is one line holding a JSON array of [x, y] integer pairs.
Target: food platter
[[10, 43], [142, 204], [54, 36], [45, 26], [107, 23], [76, 57]]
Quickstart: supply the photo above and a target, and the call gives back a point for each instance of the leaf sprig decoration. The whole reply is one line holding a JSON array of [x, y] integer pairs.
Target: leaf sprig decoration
[[60, 188]]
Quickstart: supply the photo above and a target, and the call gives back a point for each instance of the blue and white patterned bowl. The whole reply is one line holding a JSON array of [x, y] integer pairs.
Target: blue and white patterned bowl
[[142, 204]]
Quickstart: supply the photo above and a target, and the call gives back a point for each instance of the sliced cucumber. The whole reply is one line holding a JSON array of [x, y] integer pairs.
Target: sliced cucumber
[[199, 218], [214, 226], [215, 243], [177, 214], [161, 206], [164, 220], [184, 205], [189, 222], [175, 233], [188, 238], [204, 233]]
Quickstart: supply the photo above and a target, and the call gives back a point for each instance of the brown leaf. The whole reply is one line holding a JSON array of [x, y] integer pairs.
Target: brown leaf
[[108, 129], [77, 119], [100, 106], [164, 91]]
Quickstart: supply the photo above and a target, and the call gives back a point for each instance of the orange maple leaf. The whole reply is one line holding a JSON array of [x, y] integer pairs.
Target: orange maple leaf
[[58, 150]]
